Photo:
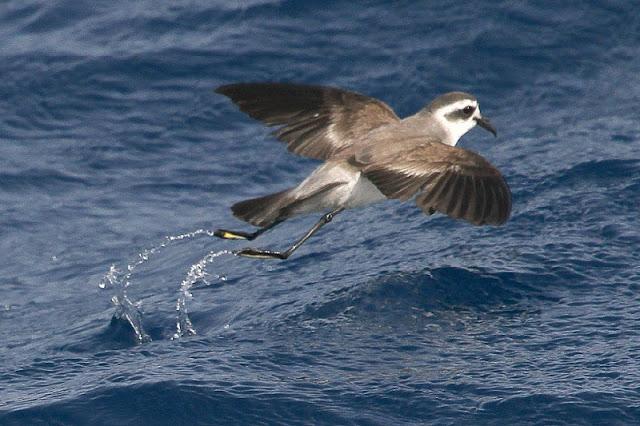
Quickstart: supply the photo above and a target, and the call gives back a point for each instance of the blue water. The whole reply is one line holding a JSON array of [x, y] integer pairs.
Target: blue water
[[117, 160]]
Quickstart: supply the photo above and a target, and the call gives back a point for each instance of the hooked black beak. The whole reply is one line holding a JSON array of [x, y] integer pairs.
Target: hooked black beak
[[486, 124]]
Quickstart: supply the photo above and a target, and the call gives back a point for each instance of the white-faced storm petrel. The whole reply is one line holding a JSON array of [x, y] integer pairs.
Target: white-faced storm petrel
[[370, 155]]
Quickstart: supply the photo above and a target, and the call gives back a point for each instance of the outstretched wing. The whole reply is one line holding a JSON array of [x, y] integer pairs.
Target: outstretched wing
[[316, 121], [447, 179]]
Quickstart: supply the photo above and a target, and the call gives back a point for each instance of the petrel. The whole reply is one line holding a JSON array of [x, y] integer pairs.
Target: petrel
[[370, 155]]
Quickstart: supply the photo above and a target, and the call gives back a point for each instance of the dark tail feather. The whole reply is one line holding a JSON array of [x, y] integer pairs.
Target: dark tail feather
[[262, 211]]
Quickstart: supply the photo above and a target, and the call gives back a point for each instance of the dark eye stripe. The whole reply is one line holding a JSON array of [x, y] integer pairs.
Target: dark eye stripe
[[461, 114]]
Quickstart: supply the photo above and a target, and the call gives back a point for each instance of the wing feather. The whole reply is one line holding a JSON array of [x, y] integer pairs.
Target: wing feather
[[316, 121], [451, 180], [484, 201]]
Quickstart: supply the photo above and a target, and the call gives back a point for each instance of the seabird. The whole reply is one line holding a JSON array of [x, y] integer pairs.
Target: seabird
[[369, 155]]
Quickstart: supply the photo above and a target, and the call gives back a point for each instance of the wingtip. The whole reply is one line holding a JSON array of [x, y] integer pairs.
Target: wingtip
[[233, 89], [222, 89]]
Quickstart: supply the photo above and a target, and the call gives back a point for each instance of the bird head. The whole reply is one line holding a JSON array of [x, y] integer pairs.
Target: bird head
[[457, 113]]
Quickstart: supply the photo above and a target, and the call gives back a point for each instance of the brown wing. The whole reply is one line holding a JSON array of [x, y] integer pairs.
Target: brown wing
[[316, 121], [450, 180]]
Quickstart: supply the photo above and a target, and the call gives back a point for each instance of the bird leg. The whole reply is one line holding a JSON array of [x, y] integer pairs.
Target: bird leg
[[240, 235], [270, 254]]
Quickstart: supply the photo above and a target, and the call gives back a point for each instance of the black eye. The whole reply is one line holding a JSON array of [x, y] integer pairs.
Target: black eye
[[468, 110]]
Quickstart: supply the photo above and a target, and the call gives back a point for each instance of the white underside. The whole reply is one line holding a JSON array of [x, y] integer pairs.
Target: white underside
[[355, 190]]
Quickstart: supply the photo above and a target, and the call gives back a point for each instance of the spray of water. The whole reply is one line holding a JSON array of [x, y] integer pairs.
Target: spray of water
[[197, 273], [131, 311], [125, 308]]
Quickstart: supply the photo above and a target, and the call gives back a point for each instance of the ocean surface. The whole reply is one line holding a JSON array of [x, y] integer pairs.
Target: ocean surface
[[117, 162]]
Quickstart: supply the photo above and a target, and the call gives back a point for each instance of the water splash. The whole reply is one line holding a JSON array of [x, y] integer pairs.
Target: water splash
[[125, 308], [112, 279], [131, 311], [197, 273]]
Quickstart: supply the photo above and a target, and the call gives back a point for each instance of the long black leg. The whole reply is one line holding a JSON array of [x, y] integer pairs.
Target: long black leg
[[270, 254], [239, 235]]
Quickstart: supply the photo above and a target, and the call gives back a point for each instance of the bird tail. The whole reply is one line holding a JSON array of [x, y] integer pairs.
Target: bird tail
[[263, 211]]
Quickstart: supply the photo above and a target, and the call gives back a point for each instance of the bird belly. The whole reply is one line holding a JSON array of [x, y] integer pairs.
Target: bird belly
[[362, 193], [351, 189]]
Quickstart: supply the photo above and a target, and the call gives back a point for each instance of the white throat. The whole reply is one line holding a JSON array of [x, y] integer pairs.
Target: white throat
[[453, 133]]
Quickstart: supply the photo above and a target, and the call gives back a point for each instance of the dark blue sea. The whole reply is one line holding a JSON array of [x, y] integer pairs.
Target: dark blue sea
[[118, 161]]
